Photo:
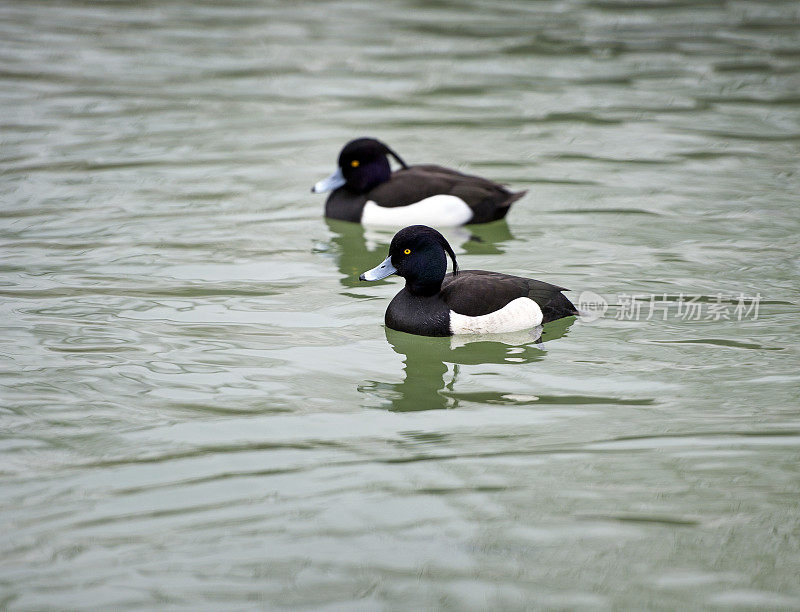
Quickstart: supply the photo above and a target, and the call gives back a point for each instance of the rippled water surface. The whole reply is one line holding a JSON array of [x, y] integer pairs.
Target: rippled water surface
[[201, 407]]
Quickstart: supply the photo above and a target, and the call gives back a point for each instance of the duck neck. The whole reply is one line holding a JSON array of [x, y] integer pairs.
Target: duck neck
[[423, 290]]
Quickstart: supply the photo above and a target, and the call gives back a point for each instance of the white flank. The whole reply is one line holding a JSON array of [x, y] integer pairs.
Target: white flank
[[517, 315], [438, 210]]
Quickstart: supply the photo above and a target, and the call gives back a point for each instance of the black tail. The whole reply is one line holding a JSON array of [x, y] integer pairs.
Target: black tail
[[554, 304], [558, 307], [500, 210]]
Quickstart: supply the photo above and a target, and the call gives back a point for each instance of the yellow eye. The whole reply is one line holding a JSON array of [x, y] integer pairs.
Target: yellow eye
[[355, 163], [407, 251]]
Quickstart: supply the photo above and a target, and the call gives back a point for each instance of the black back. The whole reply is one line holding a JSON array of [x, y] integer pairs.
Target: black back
[[488, 200], [478, 292]]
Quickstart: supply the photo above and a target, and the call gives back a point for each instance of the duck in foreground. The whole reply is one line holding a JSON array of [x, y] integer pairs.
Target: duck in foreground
[[434, 303], [366, 190]]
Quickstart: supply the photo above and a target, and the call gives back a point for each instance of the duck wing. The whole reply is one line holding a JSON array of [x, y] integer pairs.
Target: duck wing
[[487, 199], [478, 292], [410, 185]]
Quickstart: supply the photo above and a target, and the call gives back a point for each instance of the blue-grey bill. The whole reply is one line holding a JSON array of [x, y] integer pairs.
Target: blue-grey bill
[[380, 271], [334, 181]]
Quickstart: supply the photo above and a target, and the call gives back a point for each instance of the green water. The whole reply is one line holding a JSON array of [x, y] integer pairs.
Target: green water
[[201, 407]]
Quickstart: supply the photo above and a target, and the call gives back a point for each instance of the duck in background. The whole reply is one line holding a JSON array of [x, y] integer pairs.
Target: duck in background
[[434, 303], [365, 190]]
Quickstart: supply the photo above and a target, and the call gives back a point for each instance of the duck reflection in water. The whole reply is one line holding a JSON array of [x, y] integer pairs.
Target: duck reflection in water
[[427, 361], [355, 246]]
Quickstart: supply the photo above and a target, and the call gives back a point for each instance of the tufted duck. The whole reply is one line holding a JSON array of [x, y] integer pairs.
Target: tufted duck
[[434, 303], [366, 190]]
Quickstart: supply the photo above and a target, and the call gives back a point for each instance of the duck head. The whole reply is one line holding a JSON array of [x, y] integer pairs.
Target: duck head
[[362, 166], [418, 253]]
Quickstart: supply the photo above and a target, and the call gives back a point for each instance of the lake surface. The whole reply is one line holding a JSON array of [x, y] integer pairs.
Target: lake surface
[[201, 407]]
